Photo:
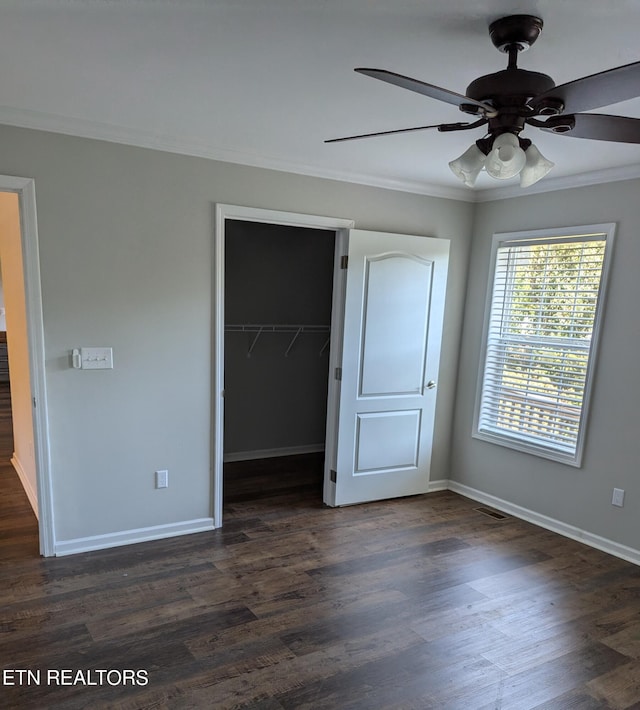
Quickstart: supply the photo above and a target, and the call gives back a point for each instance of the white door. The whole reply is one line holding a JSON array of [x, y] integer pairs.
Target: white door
[[394, 304]]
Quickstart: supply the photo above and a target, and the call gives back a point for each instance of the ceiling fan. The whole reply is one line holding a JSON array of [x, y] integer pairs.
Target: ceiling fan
[[508, 100]]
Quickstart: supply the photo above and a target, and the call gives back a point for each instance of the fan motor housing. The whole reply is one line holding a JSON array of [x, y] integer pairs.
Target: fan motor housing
[[509, 87], [520, 31]]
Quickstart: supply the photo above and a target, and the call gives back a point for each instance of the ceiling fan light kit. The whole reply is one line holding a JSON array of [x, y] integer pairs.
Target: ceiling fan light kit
[[507, 157], [506, 101]]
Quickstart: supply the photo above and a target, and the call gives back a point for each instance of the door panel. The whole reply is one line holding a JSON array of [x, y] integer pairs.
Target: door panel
[[386, 441], [395, 288], [394, 303]]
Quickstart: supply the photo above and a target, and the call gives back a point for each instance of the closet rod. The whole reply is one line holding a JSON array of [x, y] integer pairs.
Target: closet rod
[[276, 328]]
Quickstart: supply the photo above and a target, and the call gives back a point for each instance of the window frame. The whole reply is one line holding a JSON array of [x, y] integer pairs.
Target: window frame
[[542, 236]]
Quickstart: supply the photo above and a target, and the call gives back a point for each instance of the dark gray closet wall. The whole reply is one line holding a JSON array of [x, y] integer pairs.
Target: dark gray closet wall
[[276, 275]]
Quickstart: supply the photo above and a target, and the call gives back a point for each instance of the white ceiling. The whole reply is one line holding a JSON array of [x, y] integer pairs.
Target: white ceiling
[[265, 82]]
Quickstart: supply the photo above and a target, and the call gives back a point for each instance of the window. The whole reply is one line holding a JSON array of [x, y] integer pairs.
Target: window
[[540, 339]]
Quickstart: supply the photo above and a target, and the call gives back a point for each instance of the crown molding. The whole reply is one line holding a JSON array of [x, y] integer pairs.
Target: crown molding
[[565, 182], [96, 130], [81, 128]]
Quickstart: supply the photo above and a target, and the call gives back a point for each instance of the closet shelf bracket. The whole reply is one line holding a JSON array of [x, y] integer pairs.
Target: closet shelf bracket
[[325, 346], [253, 342], [293, 340]]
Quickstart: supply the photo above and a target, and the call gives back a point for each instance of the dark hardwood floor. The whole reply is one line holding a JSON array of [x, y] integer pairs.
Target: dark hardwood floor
[[408, 604]]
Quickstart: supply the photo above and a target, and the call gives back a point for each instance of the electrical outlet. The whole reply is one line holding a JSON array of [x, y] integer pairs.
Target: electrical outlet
[[618, 497], [162, 479]]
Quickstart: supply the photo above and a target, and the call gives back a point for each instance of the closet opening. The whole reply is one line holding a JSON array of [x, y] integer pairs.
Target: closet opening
[[278, 289]]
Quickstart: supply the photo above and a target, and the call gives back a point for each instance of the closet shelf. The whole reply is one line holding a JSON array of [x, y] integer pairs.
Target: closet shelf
[[276, 328], [296, 329]]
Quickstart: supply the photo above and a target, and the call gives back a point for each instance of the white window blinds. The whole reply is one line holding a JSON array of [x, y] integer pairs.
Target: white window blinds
[[540, 341]]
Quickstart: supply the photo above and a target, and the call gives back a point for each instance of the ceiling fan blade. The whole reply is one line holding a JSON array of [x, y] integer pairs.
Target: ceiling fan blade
[[444, 127], [380, 133], [596, 126], [596, 90], [435, 92]]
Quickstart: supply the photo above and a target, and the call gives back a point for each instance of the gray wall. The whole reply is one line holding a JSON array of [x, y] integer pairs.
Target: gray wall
[[578, 497], [126, 261], [276, 274]]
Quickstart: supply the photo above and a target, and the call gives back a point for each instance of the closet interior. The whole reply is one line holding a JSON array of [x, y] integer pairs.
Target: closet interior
[[278, 294]]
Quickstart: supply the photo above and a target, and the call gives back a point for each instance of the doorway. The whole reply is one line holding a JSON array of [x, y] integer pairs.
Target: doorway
[[278, 297], [229, 216], [21, 285]]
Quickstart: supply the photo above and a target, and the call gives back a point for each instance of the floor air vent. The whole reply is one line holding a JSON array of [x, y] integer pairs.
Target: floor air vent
[[492, 513]]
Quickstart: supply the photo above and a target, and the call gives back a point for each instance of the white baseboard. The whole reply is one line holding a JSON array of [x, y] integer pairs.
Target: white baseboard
[[158, 532], [272, 453], [129, 537], [29, 489], [600, 543]]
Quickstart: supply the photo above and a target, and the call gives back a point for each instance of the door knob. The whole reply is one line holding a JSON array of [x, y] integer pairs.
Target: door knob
[[431, 384]]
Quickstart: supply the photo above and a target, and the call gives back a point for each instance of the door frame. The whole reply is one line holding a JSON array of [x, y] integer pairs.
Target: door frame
[[224, 212], [25, 189]]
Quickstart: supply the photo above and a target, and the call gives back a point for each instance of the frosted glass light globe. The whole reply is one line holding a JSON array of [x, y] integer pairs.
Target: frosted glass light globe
[[468, 166], [536, 167], [506, 158]]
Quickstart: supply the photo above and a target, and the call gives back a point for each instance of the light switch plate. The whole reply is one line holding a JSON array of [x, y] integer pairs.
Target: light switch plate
[[618, 497], [96, 358], [162, 479]]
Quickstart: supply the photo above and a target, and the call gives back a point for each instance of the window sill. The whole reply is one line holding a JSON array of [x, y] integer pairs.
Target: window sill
[[529, 447]]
